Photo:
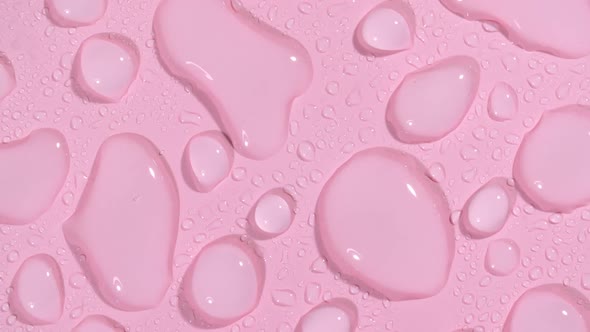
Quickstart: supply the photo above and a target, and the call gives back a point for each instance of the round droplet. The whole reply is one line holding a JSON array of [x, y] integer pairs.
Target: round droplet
[[98, 323], [75, 13], [106, 65], [503, 102], [486, 211], [38, 291], [208, 159], [273, 214], [337, 315], [387, 28], [306, 151], [225, 281], [376, 209], [502, 257], [7, 77]]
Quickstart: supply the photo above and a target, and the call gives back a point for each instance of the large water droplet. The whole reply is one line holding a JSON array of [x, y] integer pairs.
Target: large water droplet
[[502, 257], [486, 211], [252, 93], [431, 102], [32, 172], [7, 77], [208, 158], [551, 166], [503, 102], [37, 297], [549, 308], [545, 25], [387, 28], [74, 13], [106, 65], [126, 223], [225, 281], [337, 315], [273, 213], [372, 217], [98, 323]]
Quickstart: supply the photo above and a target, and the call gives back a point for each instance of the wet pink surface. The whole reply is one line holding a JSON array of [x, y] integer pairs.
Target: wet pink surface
[[375, 165]]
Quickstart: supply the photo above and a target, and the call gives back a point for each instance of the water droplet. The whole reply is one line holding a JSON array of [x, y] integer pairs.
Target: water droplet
[[207, 160], [131, 178], [313, 291], [320, 265], [12, 256], [77, 280], [283, 297], [535, 273], [273, 213], [436, 172], [306, 151], [336, 315], [448, 86], [7, 77], [96, 323], [38, 291], [503, 102], [75, 13], [502, 257]]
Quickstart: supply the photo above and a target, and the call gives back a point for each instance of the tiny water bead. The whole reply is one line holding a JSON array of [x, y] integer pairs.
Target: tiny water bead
[[550, 167], [106, 65], [502, 257], [7, 77], [432, 102], [387, 28], [225, 281], [273, 214], [208, 159], [75, 13], [336, 315], [37, 297], [98, 323], [32, 172], [486, 211], [376, 209], [548, 308], [502, 102]]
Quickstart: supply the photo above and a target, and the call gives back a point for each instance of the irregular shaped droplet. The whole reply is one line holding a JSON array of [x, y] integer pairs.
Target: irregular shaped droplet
[[251, 93], [549, 308], [208, 159], [225, 281], [283, 297], [432, 101], [98, 323], [502, 257], [551, 166], [373, 212], [503, 102], [387, 28], [486, 211], [32, 172], [126, 223], [273, 214], [337, 315], [548, 26], [7, 77], [75, 13], [106, 66], [37, 297]]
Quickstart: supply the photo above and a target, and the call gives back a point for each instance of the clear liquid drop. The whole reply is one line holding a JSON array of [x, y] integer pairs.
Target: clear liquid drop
[[273, 214], [75, 13], [503, 102], [502, 257], [337, 315], [98, 323], [208, 159]]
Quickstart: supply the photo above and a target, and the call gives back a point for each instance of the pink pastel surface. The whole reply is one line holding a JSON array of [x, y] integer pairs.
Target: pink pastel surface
[[353, 173]]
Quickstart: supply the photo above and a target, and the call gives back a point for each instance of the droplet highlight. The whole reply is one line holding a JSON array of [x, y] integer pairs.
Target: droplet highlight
[[273, 214], [208, 159], [75, 13], [503, 102], [502, 257]]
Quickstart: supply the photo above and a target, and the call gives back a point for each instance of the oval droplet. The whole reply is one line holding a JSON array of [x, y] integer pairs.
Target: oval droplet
[[208, 159], [75, 13], [337, 315], [273, 214], [37, 166], [486, 211], [129, 211], [432, 102], [373, 212], [225, 281], [502, 257], [38, 291], [7, 77], [551, 166], [106, 65], [98, 323], [503, 102]]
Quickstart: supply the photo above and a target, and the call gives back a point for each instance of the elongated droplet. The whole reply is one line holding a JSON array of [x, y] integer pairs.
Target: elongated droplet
[[503, 102], [7, 77], [387, 28], [251, 93], [208, 159], [37, 297], [486, 211], [106, 65], [273, 213], [433, 101], [551, 165], [225, 281], [75, 13], [376, 209], [535, 25], [98, 323], [502, 257], [549, 308], [32, 172], [337, 315], [126, 223]]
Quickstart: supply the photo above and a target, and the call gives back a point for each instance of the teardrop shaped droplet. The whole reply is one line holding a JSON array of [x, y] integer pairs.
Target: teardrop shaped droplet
[[75, 13], [7, 77], [502, 257], [432, 102], [208, 159], [337, 315], [98, 323], [32, 172], [225, 281], [252, 93], [503, 102], [106, 65], [376, 209], [126, 223], [37, 297], [273, 214]]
